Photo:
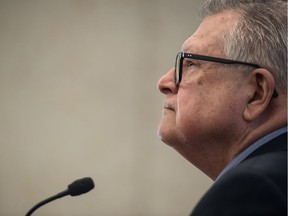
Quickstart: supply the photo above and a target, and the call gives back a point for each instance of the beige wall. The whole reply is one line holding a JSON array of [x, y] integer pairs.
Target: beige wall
[[78, 98]]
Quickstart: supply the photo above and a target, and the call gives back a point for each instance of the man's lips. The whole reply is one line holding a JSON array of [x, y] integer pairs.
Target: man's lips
[[169, 107]]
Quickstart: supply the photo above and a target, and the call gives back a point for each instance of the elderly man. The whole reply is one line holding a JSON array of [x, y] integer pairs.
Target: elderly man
[[225, 107]]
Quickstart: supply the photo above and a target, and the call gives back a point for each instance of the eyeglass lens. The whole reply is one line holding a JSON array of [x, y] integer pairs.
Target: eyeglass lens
[[177, 72]]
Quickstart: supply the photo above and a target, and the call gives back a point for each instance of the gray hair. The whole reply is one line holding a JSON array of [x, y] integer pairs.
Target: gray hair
[[259, 36]]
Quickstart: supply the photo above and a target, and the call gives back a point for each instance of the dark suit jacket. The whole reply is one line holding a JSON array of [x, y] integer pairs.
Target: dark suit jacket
[[256, 187]]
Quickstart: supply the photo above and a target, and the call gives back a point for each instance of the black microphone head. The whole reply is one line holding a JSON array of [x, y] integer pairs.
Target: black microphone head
[[80, 186]]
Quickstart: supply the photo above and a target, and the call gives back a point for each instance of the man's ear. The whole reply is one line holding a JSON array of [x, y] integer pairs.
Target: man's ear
[[262, 83]]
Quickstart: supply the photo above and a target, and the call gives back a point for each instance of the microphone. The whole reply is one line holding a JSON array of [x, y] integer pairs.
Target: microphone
[[76, 188]]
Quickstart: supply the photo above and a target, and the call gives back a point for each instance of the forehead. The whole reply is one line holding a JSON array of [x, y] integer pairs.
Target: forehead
[[208, 38]]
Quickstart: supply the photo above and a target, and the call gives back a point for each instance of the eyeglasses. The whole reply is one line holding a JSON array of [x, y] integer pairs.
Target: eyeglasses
[[181, 56]]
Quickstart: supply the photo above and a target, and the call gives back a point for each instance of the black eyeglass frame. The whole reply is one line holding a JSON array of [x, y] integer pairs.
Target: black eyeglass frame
[[181, 56]]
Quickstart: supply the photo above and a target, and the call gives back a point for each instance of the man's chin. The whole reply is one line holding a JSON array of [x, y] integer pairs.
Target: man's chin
[[165, 135]]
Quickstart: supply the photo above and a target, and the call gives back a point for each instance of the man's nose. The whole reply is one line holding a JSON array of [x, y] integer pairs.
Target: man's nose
[[166, 83]]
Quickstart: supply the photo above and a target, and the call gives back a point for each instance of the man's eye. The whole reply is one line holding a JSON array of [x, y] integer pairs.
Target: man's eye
[[187, 64], [190, 63]]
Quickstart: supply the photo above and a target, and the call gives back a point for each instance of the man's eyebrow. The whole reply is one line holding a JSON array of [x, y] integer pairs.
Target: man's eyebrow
[[188, 49], [185, 49], [185, 46]]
